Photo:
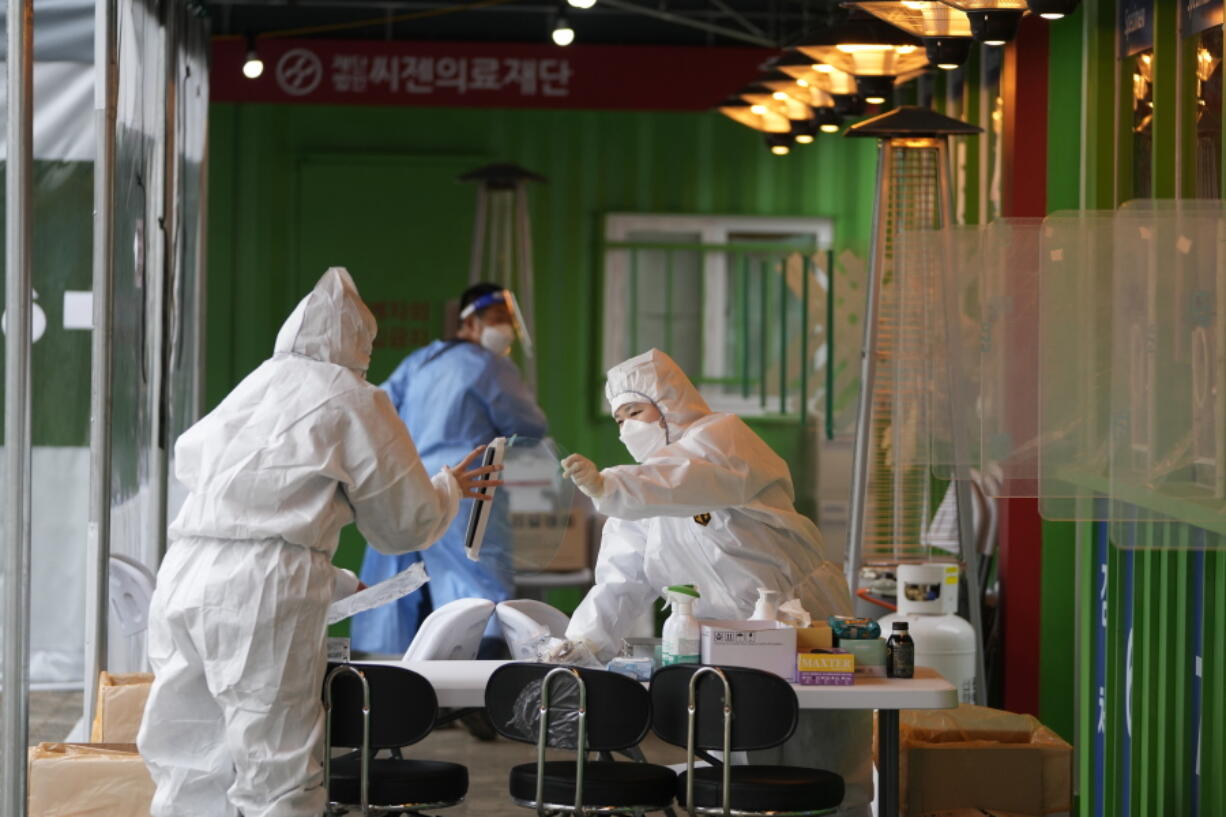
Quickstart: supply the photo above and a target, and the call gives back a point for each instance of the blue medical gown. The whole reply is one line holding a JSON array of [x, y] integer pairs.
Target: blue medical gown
[[453, 396]]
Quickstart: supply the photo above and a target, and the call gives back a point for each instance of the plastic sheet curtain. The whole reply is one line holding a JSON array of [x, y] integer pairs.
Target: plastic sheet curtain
[[1087, 364], [60, 356], [158, 204]]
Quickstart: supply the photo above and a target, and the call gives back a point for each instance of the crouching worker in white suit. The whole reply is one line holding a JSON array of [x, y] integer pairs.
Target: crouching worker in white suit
[[300, 448], [709, 504]]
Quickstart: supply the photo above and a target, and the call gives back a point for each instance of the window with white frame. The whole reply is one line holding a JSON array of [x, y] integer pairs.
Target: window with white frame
[[738, 301]]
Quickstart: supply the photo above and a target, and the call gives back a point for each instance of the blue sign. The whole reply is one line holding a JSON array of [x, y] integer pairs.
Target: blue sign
[[1136, 26], [1197, 15]]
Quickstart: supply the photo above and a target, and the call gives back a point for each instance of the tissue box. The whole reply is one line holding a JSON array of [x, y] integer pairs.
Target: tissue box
[[98, 779], [121, 706], [765, 645]]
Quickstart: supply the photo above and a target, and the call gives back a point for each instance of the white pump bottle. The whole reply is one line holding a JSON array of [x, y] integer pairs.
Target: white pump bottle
[[681, 636]]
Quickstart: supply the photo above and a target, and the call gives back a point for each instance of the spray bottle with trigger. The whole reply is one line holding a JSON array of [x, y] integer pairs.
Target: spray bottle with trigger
[[681, 636]]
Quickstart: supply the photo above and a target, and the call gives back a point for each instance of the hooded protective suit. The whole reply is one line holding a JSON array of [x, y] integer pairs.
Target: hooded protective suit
[[713, 508], [300, 448]]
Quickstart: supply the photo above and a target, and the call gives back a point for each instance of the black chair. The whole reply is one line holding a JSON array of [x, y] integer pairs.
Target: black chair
[[736, 709], [586, 710], [370, 707]]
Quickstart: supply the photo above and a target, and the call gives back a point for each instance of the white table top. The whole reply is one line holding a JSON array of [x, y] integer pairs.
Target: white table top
[[462, 684]]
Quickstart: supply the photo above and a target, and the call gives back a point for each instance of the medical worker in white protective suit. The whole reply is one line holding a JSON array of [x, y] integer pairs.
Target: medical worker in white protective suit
[[709, 504], [300, 448]]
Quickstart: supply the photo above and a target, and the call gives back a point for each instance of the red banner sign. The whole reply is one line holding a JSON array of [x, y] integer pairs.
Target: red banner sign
[[483, 75]]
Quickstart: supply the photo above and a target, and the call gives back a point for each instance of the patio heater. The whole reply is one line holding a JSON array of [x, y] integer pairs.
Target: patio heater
[[502, 243], [891, 469]]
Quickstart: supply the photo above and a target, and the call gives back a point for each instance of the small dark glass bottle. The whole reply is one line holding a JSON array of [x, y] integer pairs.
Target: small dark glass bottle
[[900, 652]]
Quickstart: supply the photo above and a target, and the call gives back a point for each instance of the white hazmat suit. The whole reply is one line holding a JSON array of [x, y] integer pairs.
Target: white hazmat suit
[[300, 448], [712, 507]]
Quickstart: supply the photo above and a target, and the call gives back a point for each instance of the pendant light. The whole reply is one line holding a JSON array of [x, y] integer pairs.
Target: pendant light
[[874, 52], [828, 120], [944, 30], [253, 66], [1053, 9], [757, 117], [993, 22], [562, 34], [801, 90]]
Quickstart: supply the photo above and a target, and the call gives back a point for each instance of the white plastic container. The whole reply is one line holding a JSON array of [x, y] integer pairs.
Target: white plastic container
[[682, 638], [767, 608], [927, 599]]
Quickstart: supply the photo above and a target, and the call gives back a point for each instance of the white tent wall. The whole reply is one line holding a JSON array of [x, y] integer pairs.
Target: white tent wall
[[161, 103]]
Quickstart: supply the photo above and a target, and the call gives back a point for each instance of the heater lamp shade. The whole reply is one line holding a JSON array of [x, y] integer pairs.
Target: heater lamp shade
[[754, 116], [868, 47], [819, 74], [875, 90], [780, 144], [803, 90], [988, 5], [929, 18], [776, 101]]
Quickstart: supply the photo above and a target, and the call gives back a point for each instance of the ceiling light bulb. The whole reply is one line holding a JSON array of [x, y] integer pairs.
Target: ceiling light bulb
[[874, 100], [830, 128], [917, 5], [947, 66], [1052, 16], [823, 68], [994, 42], [563, 34], [582, 4], [758, 109], [805, 139], [803, 83], [254, 66], [780, 150], [779, 95]]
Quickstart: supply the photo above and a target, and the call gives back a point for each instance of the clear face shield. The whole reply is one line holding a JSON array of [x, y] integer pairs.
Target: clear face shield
[[507, 299]]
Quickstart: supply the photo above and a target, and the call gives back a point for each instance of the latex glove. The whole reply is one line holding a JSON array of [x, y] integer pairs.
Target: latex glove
[[584, 473], [565, 651]]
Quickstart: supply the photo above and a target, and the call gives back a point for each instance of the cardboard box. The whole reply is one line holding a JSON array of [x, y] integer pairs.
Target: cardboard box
[[121, 706], [817, 637], [973, 812], [765, 645], [101, 780], [945, 766]]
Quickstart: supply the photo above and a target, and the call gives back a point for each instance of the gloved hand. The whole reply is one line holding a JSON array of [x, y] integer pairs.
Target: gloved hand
[[584, 473], [565, 651]]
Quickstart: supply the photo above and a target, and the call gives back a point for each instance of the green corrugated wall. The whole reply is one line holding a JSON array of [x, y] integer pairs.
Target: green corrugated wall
[[596, 163]]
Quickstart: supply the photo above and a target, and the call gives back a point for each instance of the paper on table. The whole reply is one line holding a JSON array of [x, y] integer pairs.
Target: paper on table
[[398, 586]]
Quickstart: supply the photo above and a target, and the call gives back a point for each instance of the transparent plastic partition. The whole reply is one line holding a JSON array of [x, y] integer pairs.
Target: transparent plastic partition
[[1009, 325], [1167, 383], [538, 517], [955, 321], [1076, 256]]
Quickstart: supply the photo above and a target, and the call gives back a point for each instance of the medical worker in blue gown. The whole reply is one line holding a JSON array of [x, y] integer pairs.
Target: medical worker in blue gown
[[454, 395]]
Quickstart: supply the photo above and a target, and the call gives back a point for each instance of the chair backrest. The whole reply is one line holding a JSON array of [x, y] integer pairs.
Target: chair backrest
[[131, 590], [452, 632], [403, 706], [764, 707], [618, 708], [526, 623]]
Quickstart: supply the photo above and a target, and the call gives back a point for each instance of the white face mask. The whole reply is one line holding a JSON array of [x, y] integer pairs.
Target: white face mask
[[498, 338], [642, 439]]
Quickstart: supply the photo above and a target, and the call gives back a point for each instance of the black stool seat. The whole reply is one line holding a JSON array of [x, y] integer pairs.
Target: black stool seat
[[398, 781], [604, 783], [766, 788]]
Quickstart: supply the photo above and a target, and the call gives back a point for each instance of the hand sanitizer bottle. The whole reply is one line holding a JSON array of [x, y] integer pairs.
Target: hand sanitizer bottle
[[681, 641]]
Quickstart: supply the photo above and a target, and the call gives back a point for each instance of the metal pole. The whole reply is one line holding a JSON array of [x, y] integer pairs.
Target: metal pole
[[476, 252], [967, 541], [14, 714], [98, 542], [868, 370]]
